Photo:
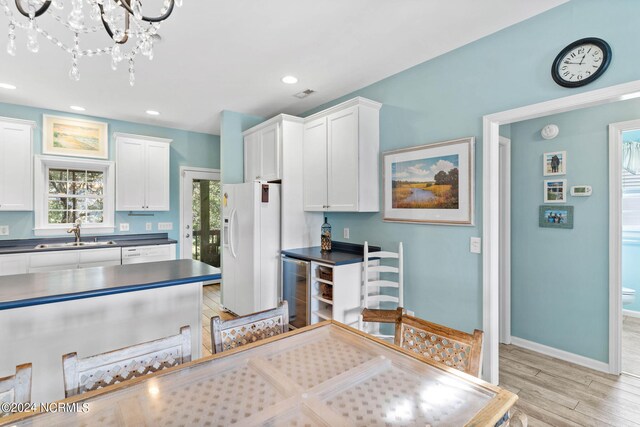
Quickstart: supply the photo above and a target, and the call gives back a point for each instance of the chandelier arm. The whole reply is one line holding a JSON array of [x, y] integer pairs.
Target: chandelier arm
[[126, 4], [108, 28], [39, 12]]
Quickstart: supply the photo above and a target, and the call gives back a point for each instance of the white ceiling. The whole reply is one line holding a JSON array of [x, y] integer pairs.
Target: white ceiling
[[231, 54]]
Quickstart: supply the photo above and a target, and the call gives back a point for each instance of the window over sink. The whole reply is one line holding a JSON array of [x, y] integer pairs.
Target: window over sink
[[75, 194], [70, 189]]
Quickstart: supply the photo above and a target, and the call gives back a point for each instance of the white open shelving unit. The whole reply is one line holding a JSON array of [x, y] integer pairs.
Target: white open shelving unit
[[343, 302]]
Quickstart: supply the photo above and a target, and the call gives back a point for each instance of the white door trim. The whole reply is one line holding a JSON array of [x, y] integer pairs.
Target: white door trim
[[615, 242], [188, 172], [505, 241], [491, 199]]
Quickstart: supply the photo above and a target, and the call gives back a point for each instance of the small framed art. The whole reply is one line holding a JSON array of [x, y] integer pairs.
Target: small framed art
[[555, 163], [556, 216], [555, 191]]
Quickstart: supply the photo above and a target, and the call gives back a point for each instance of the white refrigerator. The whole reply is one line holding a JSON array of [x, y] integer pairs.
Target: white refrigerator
[[250, 246]]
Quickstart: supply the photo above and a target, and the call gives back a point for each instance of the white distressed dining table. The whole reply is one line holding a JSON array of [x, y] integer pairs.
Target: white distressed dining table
[[327, 374]]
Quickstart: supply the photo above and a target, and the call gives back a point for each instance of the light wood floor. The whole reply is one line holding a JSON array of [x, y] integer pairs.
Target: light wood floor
[[557, 393], [210, 307], [631, 345]]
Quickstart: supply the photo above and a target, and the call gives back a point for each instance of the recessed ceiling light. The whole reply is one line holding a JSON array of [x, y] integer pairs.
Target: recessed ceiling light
[[7, 86], [77, 108], [290, 80], [153, 113]]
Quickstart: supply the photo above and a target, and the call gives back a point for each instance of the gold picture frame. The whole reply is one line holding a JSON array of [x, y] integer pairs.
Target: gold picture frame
[[68, 136]]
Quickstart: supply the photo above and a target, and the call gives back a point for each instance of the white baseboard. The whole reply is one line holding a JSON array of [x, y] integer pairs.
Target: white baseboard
[[631, 313], [561, 354]]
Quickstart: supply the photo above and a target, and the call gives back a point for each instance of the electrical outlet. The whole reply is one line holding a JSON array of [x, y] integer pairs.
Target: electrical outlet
[[475, 245], [345, 233], [148, 226], [124, 226], [4, 230], [165, 226]]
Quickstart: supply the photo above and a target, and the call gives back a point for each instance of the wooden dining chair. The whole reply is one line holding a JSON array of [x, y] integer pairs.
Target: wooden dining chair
[[382, 284], [442, 344], [16, 388], [229, 334], [105, 369]]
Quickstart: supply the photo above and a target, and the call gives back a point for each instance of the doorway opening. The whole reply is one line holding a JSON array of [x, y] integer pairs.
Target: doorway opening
[[201, 215], [625, 140]]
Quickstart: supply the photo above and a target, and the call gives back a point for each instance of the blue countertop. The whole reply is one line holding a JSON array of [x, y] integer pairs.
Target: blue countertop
[[122, 240], [24, 290], [342, 253]]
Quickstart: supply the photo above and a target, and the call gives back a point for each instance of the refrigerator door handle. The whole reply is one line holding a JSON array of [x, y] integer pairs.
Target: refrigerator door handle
[[231, 233]]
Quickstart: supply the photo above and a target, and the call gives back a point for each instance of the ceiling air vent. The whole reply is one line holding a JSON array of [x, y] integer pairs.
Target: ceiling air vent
[[304, 93]]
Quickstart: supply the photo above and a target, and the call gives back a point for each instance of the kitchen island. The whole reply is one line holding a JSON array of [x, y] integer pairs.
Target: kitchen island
[[89, 311]]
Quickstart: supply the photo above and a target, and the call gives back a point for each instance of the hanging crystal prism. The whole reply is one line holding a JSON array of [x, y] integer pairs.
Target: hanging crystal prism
[[32, 37], [11, 45], [132, 72]]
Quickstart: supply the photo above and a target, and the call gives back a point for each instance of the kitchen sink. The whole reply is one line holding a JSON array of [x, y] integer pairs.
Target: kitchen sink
[[74, 244]]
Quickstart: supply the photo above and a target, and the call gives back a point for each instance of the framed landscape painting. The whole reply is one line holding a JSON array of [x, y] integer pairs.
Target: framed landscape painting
[[67, 136], [430, 184]]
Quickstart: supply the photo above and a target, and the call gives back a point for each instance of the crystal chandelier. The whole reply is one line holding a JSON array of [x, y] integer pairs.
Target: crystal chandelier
[[123, 21]]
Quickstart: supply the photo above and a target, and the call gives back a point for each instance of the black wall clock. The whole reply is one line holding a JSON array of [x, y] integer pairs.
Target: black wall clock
[[582, 62]]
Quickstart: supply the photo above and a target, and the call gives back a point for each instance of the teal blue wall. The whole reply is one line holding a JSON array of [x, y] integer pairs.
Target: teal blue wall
[[560, 278], [187, 149], [232, 125], [445, 98]]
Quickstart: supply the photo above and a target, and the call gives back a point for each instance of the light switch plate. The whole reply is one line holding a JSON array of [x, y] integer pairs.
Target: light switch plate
[[164, 226], [4, 230], [475, 245], [345, 233], [124, 226], [148, 226]]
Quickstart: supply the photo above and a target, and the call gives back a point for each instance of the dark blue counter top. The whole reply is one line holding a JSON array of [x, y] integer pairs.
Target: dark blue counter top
[[342, 253], [23, 290], [121, 241]]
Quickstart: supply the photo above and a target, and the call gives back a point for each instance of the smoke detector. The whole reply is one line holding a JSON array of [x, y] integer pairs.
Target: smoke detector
[[304, 93]]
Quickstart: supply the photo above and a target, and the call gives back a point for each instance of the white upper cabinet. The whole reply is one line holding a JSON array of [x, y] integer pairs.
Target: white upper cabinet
[[252, 157], [341, 158], [270, 153], [263, 153], [16, 165], [314, 175], [142, 173]]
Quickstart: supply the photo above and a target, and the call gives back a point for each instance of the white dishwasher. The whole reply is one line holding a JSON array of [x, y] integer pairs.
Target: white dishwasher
[[141, 254]]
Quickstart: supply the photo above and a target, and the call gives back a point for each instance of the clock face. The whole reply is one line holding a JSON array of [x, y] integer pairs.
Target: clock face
[[581, 62]]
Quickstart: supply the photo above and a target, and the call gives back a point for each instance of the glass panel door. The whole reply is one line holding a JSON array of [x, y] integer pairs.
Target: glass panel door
[[206, 221]]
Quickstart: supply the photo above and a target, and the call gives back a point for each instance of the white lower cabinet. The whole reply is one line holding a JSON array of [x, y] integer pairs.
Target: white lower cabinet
[[99, 257], [52, 261], [14, 264]]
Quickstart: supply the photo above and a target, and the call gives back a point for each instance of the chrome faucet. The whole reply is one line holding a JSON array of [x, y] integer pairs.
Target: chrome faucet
[[76, 229]]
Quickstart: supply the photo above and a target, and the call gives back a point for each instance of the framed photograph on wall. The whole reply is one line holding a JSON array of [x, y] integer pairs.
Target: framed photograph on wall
[[555, 163], [556, 216], [66, 136], [430, 184], [555, 191]]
